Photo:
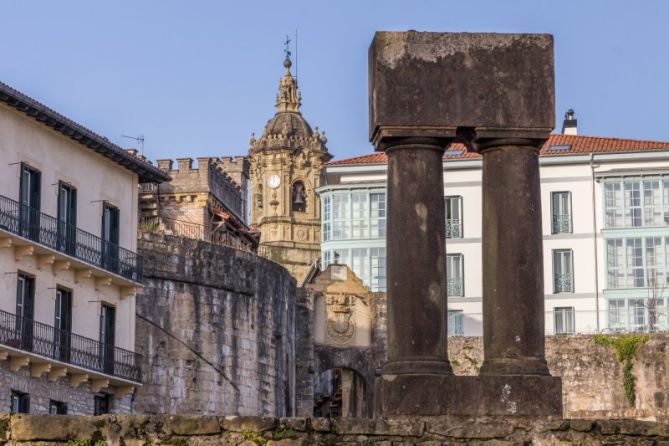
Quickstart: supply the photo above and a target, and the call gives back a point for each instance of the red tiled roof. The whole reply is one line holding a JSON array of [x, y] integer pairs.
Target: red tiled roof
[[579, 145]]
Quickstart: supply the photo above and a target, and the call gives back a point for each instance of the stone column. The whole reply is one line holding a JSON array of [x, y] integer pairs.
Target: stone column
[[513, 285], [416, 259]]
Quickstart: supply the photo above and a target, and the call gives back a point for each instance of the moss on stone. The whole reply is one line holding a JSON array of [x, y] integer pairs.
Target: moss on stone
[[625, 347], [255, 437]]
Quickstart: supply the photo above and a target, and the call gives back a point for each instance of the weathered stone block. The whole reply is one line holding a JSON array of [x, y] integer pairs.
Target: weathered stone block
[[248, 424], [435, 83], [52, 427], [182, 425]]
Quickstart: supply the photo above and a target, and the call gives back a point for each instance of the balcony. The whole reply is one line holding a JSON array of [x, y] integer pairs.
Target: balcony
[[563, 283], [453, 228], [73, 243], [56, 353], [454, 287], [562, 224]]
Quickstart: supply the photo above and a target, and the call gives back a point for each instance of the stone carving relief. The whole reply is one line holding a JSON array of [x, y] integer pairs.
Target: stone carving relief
[[340, 325]]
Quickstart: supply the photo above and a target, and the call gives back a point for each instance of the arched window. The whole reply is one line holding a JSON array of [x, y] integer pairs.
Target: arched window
[[258, 196], [299, 197]]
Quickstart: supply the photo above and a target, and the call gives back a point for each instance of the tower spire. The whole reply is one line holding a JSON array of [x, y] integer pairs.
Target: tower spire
[[289, 98]]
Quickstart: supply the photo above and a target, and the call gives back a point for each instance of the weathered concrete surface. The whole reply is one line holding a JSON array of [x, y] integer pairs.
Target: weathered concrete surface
[[430, 84], [215, 328], [248, 431]]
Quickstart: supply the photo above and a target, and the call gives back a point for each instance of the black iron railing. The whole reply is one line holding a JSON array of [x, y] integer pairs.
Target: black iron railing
[[46, 230], [45, 340]]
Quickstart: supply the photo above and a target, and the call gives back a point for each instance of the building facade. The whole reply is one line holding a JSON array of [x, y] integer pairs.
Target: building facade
[[68, 235], [605, 223], [285, 170]]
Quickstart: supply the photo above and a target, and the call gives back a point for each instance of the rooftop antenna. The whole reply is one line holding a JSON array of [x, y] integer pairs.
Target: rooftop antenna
[[139, 139]]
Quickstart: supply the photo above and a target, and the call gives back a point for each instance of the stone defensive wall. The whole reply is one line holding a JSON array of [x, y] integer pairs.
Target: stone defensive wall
[[129, 430], [593, 378], [215, 327]]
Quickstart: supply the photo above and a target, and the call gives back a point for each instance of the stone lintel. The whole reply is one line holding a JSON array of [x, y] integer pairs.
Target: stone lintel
[[514, 395], [429, 82]]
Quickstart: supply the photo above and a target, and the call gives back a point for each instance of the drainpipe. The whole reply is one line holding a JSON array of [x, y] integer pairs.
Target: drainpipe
[[594, 239]]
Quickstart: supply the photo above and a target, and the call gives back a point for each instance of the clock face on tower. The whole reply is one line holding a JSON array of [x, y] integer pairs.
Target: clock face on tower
[[273, 181]]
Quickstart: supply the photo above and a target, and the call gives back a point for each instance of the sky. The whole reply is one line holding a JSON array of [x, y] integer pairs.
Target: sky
[[196, 78]]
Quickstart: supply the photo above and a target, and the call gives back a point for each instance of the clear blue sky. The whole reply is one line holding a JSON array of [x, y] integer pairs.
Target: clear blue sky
[[197, 77]]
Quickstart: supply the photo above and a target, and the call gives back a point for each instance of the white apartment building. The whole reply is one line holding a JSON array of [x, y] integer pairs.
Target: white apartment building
[[605, 224], [68, 267]]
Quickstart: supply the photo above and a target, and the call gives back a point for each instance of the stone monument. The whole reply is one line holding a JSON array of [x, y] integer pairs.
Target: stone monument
[[495, 93]]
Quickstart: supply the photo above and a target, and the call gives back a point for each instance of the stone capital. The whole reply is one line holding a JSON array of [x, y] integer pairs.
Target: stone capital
[[481, 140], [393, 141]]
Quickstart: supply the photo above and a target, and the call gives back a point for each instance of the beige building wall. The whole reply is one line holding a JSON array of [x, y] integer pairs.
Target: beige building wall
[[96, 179]]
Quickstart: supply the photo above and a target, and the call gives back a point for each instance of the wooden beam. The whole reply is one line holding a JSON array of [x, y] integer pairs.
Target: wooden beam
[[60, 265], [78, 378], [102, 281], [99, 384], [38, 369], [81, 274], [45, 260], [56, 373], [121, 391], [5, 242], [22, 251], [16, 363]]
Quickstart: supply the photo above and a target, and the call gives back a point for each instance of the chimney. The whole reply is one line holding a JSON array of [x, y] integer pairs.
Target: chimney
[[569, 126]]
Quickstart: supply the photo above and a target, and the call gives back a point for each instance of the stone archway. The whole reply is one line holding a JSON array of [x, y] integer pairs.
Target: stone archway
[[340, 393]]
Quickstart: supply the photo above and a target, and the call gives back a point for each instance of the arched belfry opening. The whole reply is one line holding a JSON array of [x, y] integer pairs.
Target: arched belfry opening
[[298, 197]]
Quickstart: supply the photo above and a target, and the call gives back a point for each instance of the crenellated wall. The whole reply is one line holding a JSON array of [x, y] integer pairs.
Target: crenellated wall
[[216, 331]]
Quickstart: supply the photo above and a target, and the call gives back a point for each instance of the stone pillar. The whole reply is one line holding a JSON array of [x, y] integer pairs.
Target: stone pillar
[[513, 285], [416, 260]]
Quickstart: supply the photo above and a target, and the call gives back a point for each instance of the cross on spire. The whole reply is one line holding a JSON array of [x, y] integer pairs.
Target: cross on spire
[[287, 47]]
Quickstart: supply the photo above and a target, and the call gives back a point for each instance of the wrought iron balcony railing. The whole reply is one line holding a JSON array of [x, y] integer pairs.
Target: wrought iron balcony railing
[[453, 228], [64, 346], [48, 231], [562, 224], [563, 283], [454, 287]]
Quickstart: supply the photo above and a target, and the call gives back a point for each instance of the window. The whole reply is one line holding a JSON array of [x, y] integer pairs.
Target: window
[[67, 218], [637, 262], [637, 314], [454, 275], [561, 212], [378, 215], [110, 237], [63, 324], [455, 323], [636, 202], [617, 319], [564, 320], [29, 199], [101, 404], [107, 336], [359, 215], [360, 263], [298, 197], [453, 207], [563, 277], [57, 408], [327, 217], [20, 402], [378, 261], [25, 308], [340, 217]]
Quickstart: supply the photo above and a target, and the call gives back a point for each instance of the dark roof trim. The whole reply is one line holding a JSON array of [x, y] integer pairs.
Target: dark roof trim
[[41, 113]]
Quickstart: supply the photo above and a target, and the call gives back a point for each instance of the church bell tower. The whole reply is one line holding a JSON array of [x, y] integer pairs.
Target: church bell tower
[[285, 169]]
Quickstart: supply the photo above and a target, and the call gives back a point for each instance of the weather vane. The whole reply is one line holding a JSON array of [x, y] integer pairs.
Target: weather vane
[[287, 44]]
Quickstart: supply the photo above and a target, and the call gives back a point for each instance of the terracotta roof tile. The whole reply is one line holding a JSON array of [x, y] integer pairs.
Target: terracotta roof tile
[[577, 145]]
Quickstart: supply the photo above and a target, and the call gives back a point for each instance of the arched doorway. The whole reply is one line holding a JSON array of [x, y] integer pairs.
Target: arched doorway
[[340, 392]]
